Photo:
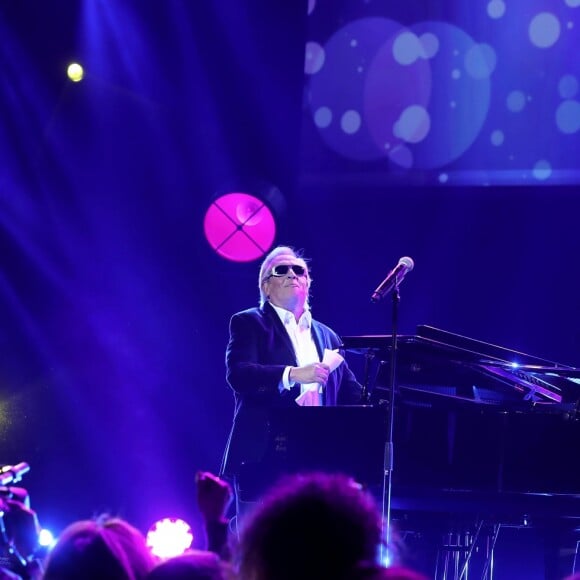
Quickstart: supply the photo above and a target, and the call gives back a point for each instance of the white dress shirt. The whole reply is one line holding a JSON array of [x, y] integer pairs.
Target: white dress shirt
[[305, 351]]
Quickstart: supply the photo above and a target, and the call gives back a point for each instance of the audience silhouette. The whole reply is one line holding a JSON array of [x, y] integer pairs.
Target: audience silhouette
[[99, 549], [309, 526]]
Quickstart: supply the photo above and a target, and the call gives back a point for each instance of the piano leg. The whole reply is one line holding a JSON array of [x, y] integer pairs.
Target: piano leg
[[450, 549], [455, 556]]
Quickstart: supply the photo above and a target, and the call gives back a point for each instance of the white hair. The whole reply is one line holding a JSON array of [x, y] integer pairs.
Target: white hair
[[266, 267]]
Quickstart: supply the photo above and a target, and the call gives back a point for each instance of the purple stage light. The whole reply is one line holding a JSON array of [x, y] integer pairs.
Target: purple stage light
[[239, 227]]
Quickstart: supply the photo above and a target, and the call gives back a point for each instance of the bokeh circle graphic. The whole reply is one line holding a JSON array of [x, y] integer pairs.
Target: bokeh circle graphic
[[337, 89], [417, 95]]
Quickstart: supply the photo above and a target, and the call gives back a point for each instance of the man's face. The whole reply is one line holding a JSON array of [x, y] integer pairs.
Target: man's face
[[285, 287]]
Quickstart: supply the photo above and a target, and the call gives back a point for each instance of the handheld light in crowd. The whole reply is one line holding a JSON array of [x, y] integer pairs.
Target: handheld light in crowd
[[169, 537]]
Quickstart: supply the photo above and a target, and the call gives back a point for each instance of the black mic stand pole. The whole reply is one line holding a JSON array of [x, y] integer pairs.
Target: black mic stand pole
[[388, 464]]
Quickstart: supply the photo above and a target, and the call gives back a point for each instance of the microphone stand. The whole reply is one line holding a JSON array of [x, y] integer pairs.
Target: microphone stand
[[388, 460]]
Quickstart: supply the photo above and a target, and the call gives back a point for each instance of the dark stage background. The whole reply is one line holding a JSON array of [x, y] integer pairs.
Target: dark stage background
[[114, 309]]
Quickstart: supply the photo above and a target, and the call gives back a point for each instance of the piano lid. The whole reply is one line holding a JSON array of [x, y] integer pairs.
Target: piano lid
[[458, 346], [491, 351], [436, 360]]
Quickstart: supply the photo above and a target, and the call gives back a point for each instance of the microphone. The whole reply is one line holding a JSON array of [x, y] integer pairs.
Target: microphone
[[393, 279], [13, 473]]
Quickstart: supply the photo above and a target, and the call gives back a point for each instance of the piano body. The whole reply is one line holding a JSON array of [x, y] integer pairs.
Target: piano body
[[472, 415]]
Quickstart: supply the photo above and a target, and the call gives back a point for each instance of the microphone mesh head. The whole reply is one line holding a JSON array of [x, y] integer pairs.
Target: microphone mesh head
[[407, 262]]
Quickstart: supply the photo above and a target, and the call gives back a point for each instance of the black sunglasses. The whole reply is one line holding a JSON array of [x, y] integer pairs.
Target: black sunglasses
[[282, 270]]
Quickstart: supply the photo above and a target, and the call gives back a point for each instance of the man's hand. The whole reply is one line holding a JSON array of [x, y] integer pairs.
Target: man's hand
[[312, 373]]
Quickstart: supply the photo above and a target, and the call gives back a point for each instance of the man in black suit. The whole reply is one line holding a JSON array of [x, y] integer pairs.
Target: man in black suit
[[275, 357]]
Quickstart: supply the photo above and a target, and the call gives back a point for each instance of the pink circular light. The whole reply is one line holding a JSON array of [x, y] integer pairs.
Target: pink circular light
[[239, 227]]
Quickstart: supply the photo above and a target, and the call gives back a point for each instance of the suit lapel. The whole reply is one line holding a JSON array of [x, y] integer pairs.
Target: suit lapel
[[331, 390], [279, 329], [318, 339]]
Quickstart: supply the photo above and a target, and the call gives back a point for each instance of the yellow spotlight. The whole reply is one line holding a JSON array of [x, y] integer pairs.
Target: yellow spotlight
[[75, 72]]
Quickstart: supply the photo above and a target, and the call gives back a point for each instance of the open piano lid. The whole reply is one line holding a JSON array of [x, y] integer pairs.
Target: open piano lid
[[448, 365]]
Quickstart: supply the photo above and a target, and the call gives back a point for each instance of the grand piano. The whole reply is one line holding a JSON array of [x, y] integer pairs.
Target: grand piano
[[483, 437], [472, 415]]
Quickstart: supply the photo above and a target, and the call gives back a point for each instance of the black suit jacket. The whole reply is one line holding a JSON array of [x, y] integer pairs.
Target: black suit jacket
[[258, 351]]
